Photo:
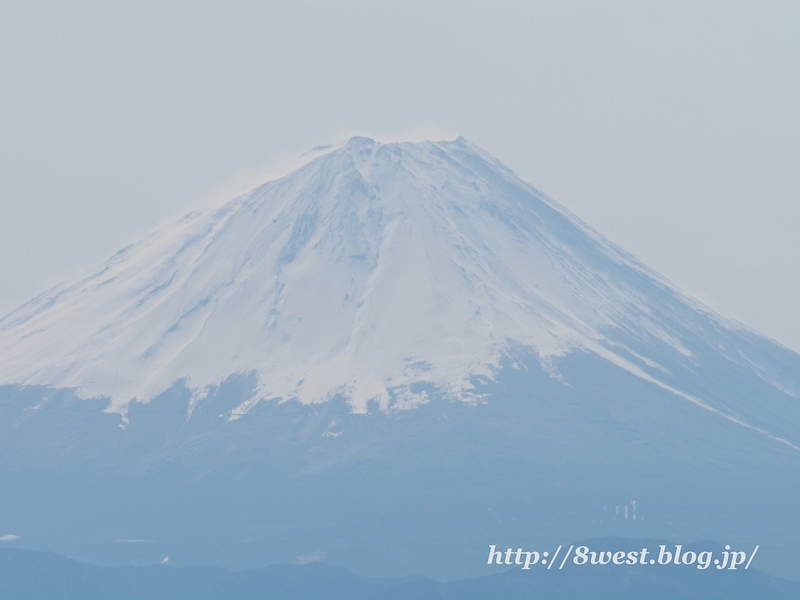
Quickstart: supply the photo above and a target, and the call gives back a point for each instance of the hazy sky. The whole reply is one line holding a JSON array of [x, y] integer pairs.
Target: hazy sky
[[671, 127]]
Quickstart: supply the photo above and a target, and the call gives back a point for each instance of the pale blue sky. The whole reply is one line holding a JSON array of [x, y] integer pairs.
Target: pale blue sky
[[671, 127]]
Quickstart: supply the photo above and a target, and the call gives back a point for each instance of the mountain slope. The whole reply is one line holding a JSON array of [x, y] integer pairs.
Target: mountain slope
[[381, 273]]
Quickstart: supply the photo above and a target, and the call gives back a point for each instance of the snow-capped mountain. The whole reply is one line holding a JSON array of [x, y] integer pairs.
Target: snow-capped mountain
[[379, 272], [388, 359]]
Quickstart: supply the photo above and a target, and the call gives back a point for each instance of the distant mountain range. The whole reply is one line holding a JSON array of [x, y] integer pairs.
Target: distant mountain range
[[27, 575]]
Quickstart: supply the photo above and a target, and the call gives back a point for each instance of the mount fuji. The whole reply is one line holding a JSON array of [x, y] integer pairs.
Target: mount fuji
[[388, 359]]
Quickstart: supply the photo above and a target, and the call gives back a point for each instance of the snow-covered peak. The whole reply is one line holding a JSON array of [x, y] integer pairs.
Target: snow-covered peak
[[376, 271]]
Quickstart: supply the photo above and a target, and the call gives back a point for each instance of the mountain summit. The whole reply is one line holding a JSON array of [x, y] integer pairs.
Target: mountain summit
[[383, 273]]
